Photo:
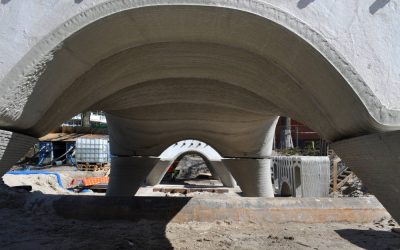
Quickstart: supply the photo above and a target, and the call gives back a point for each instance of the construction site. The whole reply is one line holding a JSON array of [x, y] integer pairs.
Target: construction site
[[192, 124]]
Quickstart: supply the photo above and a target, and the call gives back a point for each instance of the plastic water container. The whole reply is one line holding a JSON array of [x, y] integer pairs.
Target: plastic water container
[[89, 150]]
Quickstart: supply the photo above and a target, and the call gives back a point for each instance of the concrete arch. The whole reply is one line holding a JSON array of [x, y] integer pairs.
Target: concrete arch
[[176, 150], [60, 46], [179, 149], [252, 47]]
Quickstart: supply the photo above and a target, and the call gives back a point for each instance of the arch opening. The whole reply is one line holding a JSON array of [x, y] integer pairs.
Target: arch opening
[[191, 169], [285, 190]]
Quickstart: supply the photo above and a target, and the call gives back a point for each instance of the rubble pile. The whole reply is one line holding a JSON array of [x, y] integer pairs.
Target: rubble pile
[[353, 188], [191, 166]]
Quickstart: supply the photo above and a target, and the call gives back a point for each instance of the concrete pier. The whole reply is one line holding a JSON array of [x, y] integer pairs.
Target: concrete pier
[[376, 160], [252, 175], [128, 174]]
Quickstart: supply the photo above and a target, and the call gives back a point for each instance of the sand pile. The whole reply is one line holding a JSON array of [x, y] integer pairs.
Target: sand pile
[[46, 184]]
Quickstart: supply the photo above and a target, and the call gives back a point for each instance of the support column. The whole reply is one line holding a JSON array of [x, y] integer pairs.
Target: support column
[[158, 172], [128, 174], [223, 173], [376, 160], [13, 146], [211, 168], [252, 175]]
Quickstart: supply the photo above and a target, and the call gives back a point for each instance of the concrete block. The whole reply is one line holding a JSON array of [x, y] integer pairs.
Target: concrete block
[[302, 176]]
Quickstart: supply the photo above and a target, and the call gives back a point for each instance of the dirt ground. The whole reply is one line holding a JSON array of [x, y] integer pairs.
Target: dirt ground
[[22, 229], [26, 227]]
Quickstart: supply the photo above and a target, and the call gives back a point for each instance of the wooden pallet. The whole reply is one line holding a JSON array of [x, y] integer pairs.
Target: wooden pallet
[[93, 166], [342, 179], [99, 188], [189, 190]]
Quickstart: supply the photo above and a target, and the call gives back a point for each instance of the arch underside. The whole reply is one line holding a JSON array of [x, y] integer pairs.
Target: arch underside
[[166, 73]]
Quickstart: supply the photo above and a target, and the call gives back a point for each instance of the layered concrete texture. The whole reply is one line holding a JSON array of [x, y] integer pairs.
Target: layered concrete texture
[[376, 160], [216, 71], [301, 176], [128, 174], [13, 146], [252, 175]]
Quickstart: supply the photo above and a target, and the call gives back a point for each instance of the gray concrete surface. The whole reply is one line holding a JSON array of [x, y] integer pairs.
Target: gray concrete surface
[[223, 174], [350, 67], [128, 174], [13, 146], [158, 172], [252, 175], [375, 159], [305, 176], [217, 71]]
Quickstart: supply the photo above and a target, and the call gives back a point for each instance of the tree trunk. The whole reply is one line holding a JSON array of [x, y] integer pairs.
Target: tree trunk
[[286, 135]]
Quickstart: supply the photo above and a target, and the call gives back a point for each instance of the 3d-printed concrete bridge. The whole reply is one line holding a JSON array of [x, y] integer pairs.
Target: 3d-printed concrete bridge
[[217, 71]]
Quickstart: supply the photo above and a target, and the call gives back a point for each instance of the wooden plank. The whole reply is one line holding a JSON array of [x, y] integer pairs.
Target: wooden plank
[[335, 173]]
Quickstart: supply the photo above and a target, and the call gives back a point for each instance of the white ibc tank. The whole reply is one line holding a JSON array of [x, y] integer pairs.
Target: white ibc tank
[[92, 150]]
